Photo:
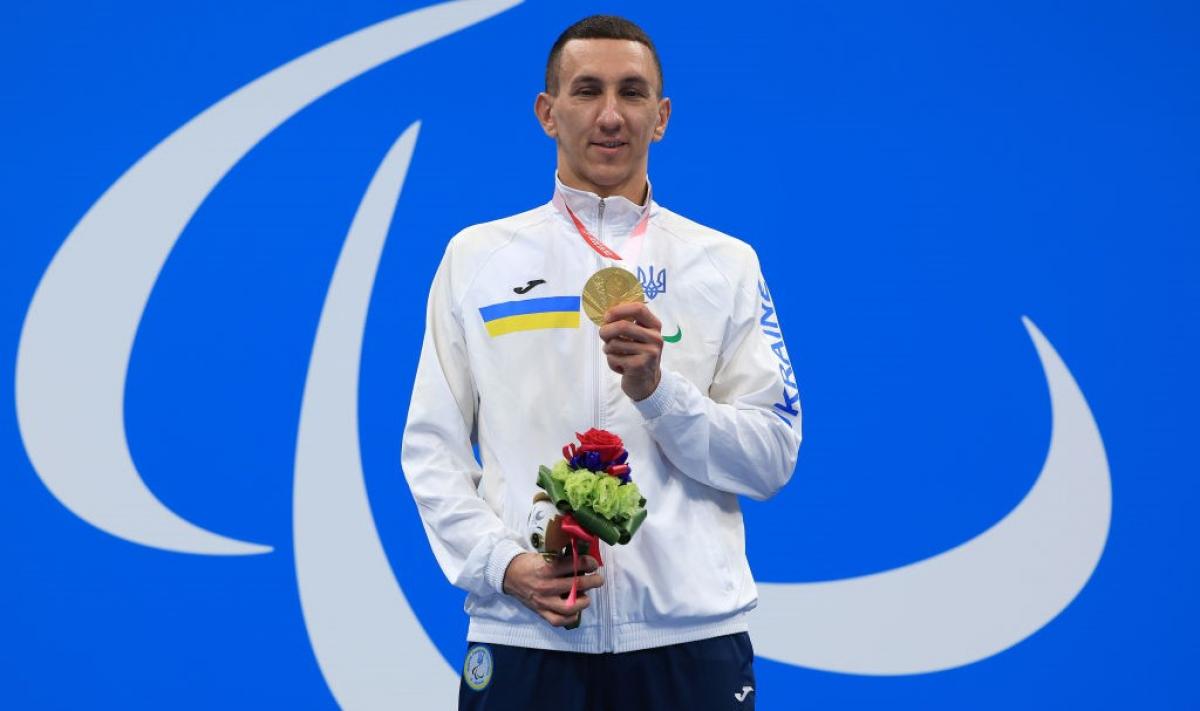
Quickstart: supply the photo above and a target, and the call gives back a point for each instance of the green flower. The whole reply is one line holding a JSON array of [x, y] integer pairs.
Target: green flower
[[579, 487], [606, 499], [560, 470], [630, 499]]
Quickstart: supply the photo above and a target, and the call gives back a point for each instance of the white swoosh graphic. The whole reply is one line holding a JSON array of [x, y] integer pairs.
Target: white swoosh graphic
[[80, 327], [371, 648], [972, 601]]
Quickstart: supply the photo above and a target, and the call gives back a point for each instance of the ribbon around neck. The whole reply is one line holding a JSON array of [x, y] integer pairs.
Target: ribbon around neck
[[633, 246]]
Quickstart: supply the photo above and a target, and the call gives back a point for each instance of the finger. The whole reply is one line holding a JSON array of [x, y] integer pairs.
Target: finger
[[584, 581], [555, 586], [590, 582], [637, 311], [628, 348], [616, 365], [555, 619], [562, 583], [561, 587], [653, 346], [630, 332], [624, 311], [558, 606], [561, 568], [564, 567], [631, 363], [560, 620]]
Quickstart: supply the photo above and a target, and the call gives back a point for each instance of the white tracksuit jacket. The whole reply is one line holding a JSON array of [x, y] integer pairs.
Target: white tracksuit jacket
[[520, 374]]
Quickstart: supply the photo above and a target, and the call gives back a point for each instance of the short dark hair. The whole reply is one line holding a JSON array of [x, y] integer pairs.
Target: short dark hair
[[599, 27]]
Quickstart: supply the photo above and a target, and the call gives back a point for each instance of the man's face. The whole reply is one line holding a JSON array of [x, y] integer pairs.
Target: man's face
[[604, 115]]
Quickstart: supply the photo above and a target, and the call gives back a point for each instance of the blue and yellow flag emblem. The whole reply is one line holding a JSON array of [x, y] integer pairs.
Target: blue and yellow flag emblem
[[531, 315]]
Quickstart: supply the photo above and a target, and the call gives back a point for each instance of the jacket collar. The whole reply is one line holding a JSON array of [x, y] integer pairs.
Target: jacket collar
[[621, 215]]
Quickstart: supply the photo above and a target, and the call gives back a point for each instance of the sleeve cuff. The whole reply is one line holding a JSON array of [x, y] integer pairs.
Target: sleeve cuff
[[660, 400], [506, 549]]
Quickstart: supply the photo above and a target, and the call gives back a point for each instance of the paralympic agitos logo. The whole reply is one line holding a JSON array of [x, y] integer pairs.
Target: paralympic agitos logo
[[960, 606]]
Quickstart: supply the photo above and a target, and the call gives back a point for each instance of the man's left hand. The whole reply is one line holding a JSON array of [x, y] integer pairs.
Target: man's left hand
[[633, 344]]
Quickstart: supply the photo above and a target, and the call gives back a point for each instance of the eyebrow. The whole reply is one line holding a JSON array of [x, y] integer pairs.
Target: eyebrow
[[633, 79]]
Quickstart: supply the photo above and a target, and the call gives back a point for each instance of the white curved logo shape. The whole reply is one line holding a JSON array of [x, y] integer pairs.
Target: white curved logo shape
[[972, 601], [963, 605], [371, 648], [79, 330]]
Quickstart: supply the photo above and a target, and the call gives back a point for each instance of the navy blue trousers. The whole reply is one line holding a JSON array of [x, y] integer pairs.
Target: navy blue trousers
[[715, 673]]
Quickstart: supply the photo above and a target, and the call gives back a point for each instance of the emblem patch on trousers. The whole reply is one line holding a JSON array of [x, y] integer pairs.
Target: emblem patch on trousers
[[477, 670]]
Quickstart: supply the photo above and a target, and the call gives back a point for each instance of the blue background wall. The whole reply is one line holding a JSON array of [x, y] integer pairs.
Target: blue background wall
[[915, 177]]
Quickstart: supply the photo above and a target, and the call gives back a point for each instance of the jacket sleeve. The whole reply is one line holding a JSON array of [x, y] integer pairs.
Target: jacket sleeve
[[471, 543], [742, 436]]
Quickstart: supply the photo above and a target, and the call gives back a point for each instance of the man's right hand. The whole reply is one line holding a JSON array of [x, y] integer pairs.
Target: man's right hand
[[543, 587]]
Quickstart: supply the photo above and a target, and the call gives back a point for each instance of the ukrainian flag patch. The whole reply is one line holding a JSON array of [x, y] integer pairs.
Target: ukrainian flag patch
[[531, 315]]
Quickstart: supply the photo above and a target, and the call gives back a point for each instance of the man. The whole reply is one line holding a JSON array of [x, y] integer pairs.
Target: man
[[707, 406]]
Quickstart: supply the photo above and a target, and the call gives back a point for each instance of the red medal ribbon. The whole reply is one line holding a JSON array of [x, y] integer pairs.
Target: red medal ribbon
[[603, 250], [577, 532]]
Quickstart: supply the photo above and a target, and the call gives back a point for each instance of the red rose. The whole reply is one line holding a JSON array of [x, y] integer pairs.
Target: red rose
[[606, 443], [601, 437]]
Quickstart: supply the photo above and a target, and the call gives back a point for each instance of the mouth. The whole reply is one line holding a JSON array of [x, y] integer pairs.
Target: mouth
[[609, 145]]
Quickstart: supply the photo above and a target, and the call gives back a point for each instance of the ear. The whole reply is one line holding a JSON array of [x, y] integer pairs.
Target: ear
[[541, 108], [664, 115]]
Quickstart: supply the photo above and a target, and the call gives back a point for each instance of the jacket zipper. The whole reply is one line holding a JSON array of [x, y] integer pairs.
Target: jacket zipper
[[607, 635], [600, 223]]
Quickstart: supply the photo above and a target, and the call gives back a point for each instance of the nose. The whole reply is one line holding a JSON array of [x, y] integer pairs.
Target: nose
[[610, 118]]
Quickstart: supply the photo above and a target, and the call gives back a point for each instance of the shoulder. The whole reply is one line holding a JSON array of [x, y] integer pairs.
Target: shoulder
[[727, 253], [486, 237], [471, 250]]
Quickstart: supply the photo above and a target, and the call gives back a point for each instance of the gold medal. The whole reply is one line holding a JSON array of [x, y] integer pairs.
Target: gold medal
[[607, 288]]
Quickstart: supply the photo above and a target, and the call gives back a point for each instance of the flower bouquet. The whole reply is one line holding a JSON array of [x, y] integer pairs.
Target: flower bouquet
[[587, 497]]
